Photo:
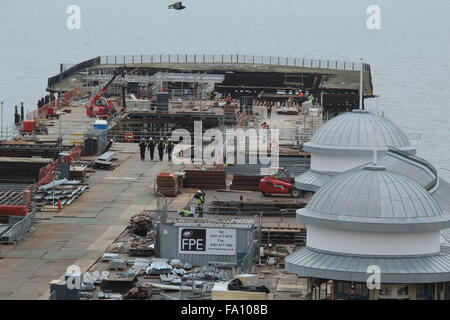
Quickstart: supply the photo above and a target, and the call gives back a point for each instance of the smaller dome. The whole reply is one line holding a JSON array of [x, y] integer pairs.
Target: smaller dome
[[359, 131], [374, 199]]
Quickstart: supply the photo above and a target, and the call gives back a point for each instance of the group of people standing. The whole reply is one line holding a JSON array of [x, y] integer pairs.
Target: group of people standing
[[161, 145]]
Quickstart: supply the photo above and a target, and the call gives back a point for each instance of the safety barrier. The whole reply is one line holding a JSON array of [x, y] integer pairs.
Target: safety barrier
[[43, 111], [46, 174], [73, 70], [234, 59]]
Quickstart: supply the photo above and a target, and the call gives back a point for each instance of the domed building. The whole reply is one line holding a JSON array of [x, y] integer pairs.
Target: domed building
[[370, 219], [348, 141]]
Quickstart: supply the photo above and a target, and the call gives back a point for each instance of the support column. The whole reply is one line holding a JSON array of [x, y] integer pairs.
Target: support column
[[412, 290], [373, 294], [333, 289]]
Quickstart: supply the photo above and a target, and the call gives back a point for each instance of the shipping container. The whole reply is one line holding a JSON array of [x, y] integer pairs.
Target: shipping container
[[207, 241]]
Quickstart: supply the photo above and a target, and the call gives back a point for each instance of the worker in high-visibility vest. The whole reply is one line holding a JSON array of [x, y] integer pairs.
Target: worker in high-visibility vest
[[169, 148], [186, 213], [199, 201], [151, 147], [142, 147], [161, 148]]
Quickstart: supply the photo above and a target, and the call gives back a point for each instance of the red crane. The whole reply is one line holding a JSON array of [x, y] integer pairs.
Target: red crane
[[99, 106]]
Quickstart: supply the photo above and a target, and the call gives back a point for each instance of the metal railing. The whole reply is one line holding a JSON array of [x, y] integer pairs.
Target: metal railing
[[234, 59]]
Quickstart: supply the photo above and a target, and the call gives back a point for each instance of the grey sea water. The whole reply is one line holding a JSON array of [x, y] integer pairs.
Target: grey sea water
[[410, 55]]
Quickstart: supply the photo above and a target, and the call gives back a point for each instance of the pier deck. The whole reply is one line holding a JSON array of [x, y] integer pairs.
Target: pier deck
[[79, 234]]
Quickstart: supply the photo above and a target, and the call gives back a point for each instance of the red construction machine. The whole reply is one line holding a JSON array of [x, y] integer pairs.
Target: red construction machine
[[280, 182], [99, 105]]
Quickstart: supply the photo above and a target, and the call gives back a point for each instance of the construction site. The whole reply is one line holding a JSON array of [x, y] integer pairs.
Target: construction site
[[90, 210]]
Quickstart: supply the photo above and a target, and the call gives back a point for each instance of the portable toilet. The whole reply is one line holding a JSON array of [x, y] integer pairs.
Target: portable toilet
[[100, 124]]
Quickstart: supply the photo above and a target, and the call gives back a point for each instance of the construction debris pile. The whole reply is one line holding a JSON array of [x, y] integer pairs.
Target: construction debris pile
[[60, 192], [140, 278]]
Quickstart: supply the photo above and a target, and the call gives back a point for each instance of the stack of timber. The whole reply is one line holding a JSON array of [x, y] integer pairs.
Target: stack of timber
[[205, 179], [245, 182], [78, 172], [251, 208], [229, 110], [167, 184], [283, 234]]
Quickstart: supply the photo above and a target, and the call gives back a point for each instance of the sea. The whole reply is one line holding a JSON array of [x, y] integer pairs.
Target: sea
[[408, 50]]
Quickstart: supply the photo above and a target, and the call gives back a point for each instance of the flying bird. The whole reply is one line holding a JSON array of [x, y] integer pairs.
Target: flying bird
[[177, 6]]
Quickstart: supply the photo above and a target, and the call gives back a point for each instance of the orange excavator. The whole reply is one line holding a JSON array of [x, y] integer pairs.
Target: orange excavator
[[99, 106]]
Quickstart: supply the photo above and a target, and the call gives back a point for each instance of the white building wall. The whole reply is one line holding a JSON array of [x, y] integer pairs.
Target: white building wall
[[341, 163], [372, 243]]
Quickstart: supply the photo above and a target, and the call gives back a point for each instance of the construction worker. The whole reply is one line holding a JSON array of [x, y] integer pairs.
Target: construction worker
[[169, 149], [142, 147], [228, 99], [269, 110], [199, 201], [185, 213], [151, 146], [161, 148]]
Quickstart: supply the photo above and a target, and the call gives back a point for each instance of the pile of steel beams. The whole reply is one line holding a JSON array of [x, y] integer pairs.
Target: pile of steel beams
[[246, 182], [63, 191], [11, 197], [283, 235], [294, 165], [31, 150], [252, 208], [204, 179], [21, 168], [16, 229]]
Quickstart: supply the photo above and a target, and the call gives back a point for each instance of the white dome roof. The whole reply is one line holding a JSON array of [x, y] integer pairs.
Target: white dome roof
[[374, 199], [359, 131]]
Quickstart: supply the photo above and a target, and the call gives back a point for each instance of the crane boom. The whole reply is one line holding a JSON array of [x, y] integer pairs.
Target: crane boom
[[103, 90]]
